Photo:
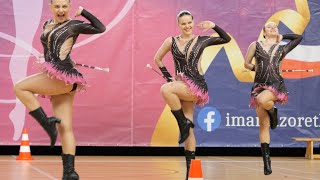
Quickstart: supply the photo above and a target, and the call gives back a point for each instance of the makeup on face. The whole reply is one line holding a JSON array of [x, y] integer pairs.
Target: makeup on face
[[186, 23], [60, 10]]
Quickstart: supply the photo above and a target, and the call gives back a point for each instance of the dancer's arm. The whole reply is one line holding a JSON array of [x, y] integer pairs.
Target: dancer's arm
[[162, 51], [224, 37], [249, 56], [295, 39], [94, 27]]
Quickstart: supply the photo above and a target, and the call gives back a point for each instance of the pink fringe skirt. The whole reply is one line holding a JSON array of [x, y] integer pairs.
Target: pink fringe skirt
[[70, 76], [202, 94], [282, 97]]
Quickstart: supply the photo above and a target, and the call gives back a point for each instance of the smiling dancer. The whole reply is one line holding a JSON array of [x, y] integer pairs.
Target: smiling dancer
[[189, 86], [269, 87]]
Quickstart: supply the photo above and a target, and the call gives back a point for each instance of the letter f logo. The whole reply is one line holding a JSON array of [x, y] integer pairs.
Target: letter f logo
[[209, 120]]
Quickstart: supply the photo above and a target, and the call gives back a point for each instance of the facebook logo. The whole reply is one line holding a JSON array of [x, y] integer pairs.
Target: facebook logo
[[209, 119]]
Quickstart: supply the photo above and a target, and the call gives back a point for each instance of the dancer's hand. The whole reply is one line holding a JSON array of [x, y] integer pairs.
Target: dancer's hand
[[206, 25], [73, 63], [79, 11]]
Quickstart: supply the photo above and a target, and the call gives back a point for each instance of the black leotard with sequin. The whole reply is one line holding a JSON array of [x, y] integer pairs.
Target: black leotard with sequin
[[268, 74], [186, 64], [57, 41]]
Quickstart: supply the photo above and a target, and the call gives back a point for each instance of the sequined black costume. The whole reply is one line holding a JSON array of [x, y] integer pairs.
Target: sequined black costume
[[186, 64], [57, 41], [268, 74]]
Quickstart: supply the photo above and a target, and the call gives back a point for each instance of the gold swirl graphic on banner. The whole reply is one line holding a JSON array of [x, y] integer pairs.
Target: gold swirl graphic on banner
[[166, 132]]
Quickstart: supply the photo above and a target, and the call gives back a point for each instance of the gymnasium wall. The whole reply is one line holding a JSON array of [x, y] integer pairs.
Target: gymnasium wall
[[124, 107]]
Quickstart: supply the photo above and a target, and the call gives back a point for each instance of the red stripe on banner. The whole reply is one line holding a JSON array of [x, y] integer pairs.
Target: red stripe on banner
[[290, 64]]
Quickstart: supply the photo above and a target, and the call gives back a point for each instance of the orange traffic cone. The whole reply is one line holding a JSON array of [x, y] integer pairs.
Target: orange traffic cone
[[24, 153], [195, 172]]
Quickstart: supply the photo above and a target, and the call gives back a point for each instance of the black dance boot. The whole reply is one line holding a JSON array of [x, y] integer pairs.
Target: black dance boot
[[273, 114], [266, 158], [183, 123], [48, 124], [189, 155], [69, 172]]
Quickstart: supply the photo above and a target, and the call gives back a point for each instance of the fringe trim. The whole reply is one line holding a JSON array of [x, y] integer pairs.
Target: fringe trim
[[202, 97], [282, 98], [64, 76]]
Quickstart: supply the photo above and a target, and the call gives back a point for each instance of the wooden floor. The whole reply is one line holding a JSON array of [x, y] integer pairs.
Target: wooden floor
[[159, 168]]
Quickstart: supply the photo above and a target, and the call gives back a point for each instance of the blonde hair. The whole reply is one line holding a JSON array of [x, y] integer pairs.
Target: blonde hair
[[51, 1]]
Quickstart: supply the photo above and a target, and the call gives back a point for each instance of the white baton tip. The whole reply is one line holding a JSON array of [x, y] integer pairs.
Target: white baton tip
[[149, 66]]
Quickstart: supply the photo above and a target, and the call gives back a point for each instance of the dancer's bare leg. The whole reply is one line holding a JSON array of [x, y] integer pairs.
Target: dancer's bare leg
[[174, 92], [39, 84], [266, 99], [264, 123], [62, 106]]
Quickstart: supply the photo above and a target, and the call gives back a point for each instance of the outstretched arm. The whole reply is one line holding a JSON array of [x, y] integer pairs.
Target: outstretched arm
[[224, 37], [162, 51], [249, 56], [94, 27], [295, 39]]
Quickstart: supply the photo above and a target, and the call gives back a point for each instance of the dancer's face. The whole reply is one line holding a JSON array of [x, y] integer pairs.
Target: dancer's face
[[60, 10], [270, 29], [186, 24]]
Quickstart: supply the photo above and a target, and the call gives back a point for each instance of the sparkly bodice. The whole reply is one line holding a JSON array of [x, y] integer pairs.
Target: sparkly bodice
[[268, 62], [186, 62], [58, 39]]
